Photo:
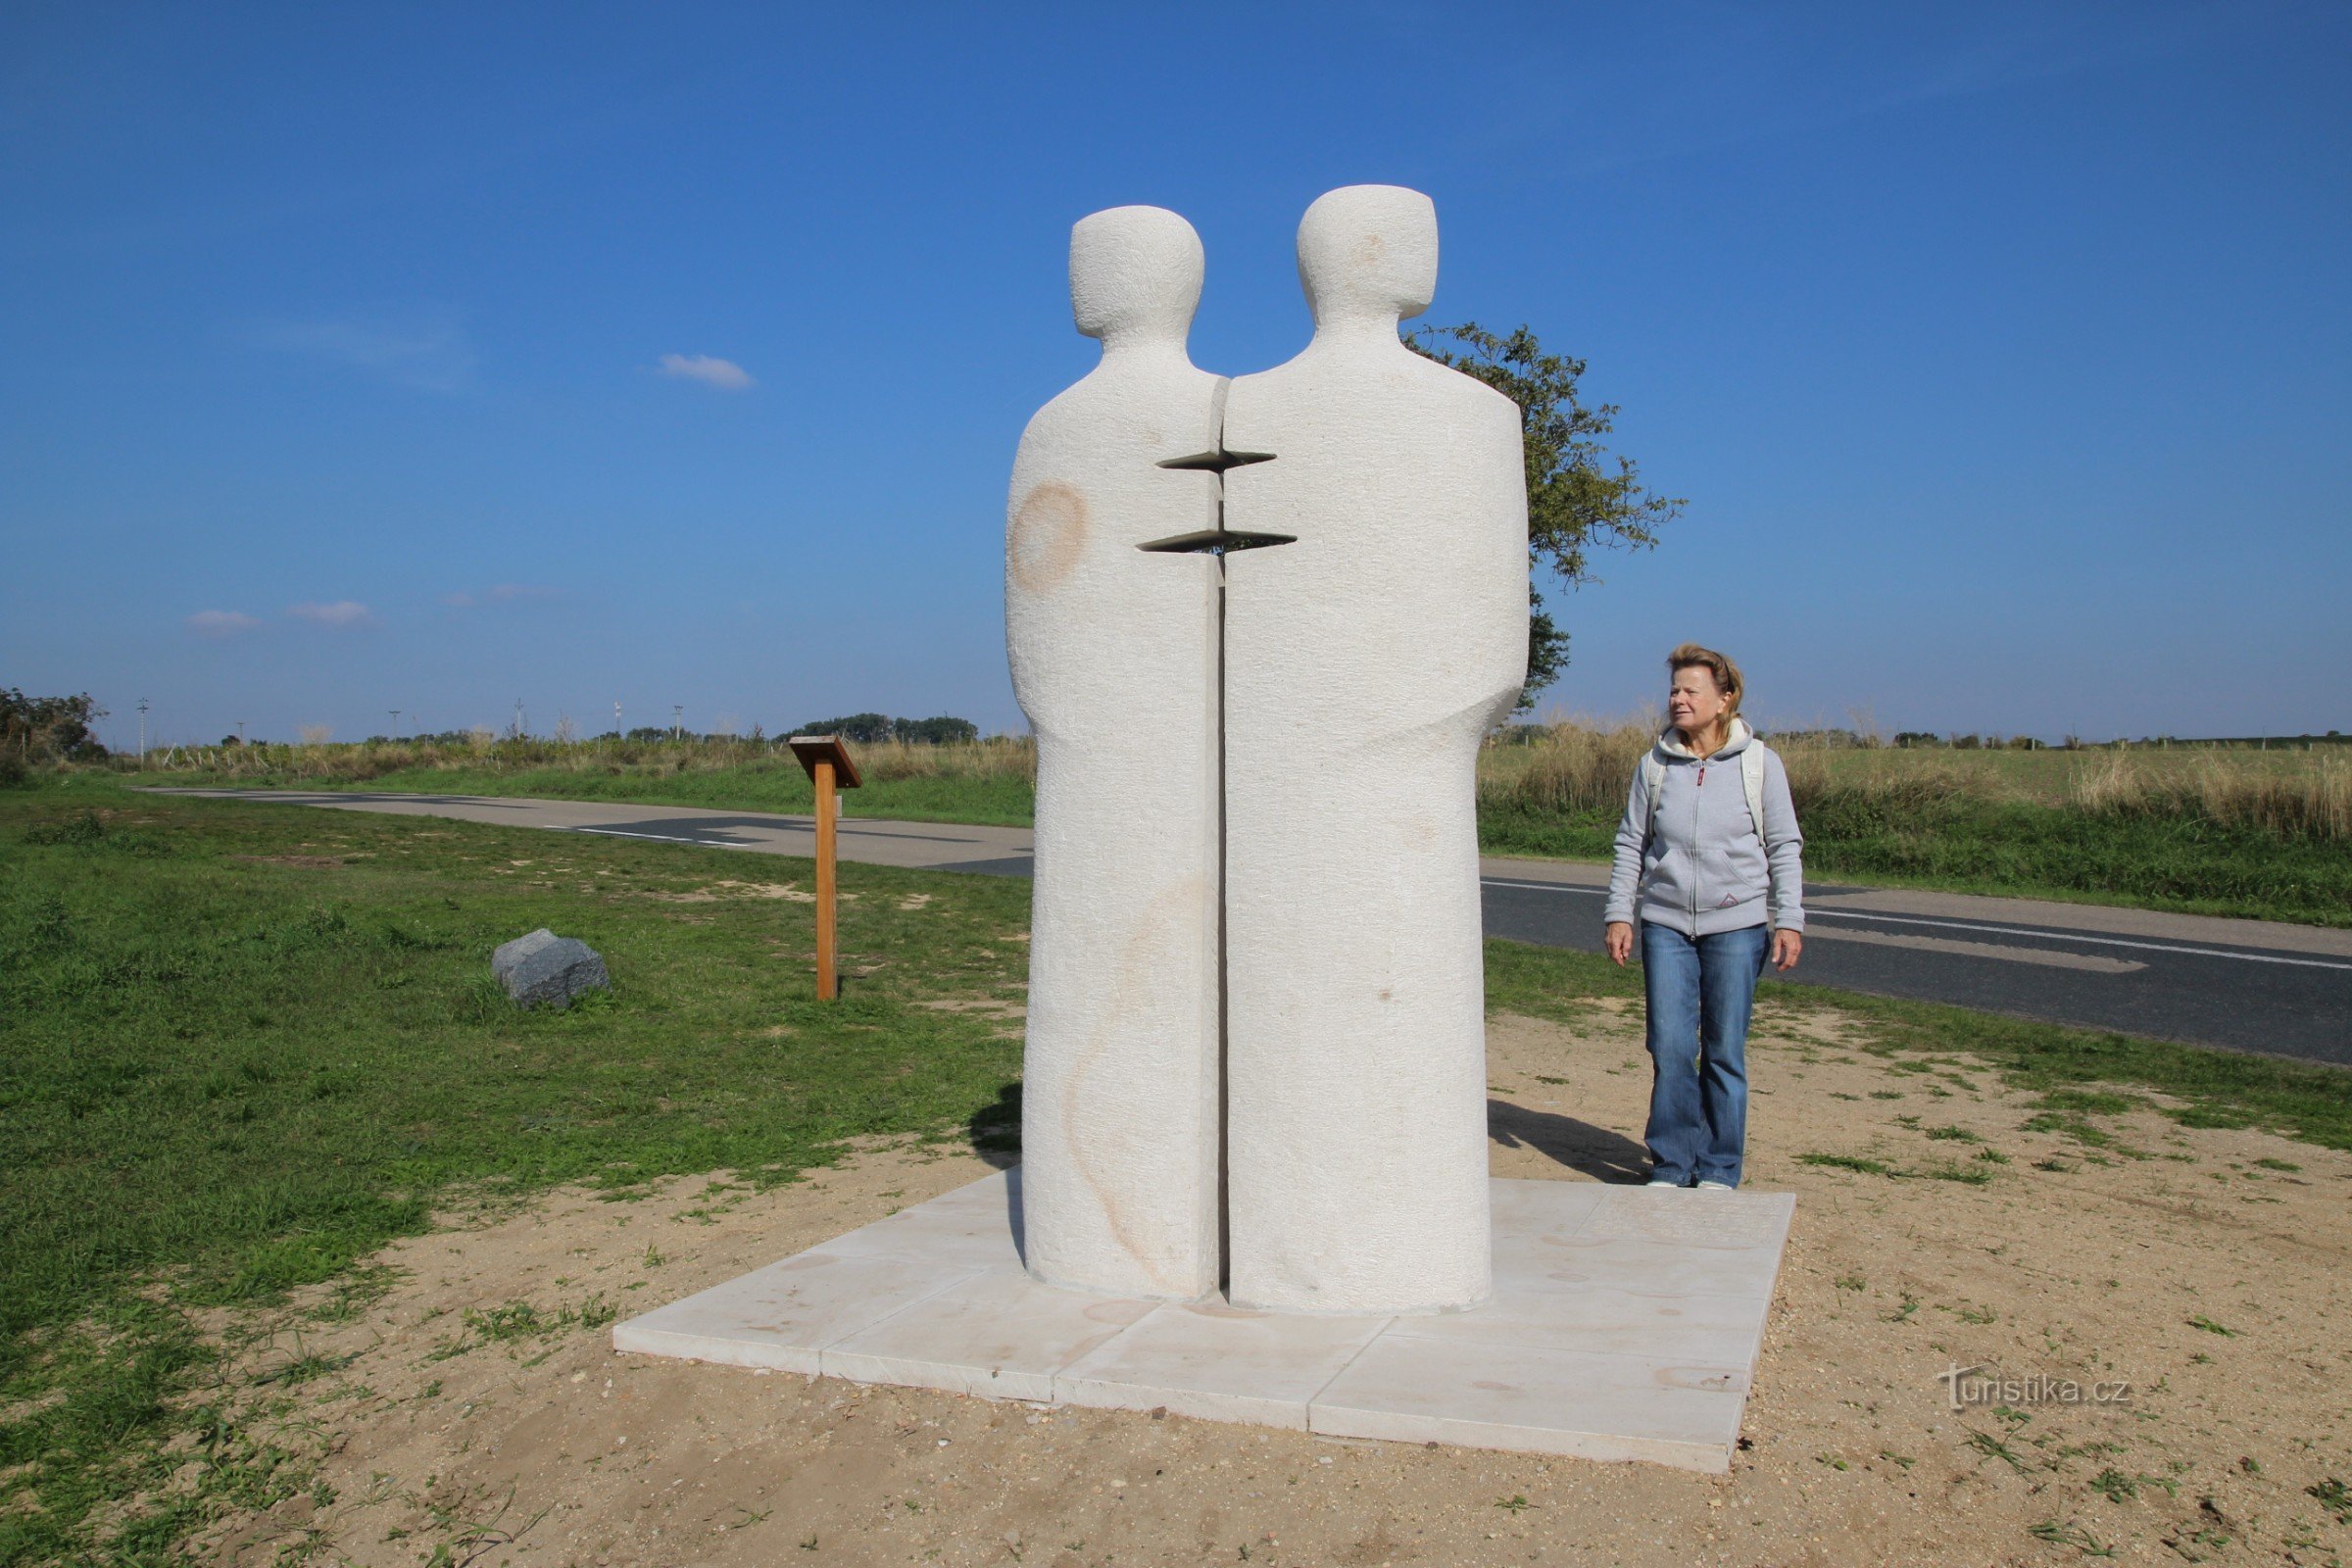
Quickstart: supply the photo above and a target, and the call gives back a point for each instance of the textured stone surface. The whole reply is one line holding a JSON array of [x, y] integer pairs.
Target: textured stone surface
[[546, 969], [1363, 665], [1255, 825], [1114, 660], [1585, 1347]]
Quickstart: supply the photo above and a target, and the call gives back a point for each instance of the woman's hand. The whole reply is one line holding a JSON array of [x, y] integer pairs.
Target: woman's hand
[[1787, 948], [1620, 942]]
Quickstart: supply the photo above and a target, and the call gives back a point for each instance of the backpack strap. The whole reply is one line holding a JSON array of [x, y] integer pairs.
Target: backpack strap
[[1752, 781], [1653, 779]]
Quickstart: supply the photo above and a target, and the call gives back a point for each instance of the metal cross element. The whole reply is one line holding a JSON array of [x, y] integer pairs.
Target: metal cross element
[[1219, 541]]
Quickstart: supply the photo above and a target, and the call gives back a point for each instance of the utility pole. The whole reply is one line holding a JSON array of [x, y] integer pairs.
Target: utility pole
[[142, 732], [519, 718], [240, 734], [394, 713], [677, 721], [617, 718]]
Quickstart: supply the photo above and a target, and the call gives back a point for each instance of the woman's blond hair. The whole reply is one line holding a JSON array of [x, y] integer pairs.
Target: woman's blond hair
[[1728, 679]]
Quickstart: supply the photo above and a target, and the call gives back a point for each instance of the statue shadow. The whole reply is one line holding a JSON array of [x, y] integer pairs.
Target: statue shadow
[[995, 1129], [994, 1134], [1595, 1151]]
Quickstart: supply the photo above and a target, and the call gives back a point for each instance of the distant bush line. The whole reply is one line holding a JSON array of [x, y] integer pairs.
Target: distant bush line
[[2236, 831]]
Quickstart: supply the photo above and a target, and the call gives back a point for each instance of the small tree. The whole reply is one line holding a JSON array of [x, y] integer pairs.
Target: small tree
[[1580, 496], [944, 730], [49, 727], [866, 729]]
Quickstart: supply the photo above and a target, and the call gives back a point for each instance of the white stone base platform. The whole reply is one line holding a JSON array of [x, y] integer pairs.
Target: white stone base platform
[[1624, 1325]]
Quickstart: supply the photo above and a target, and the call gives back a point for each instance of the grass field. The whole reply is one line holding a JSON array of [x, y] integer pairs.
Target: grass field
[[2261, 834], [241, 1047]]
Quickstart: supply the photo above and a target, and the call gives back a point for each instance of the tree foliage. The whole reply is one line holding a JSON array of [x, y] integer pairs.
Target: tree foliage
[[1580, 496], [51, 728], [944, 730], [866, 729], [872, 729]]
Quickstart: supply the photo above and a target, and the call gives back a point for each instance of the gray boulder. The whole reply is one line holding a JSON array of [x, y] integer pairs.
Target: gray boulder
[[544, 967]]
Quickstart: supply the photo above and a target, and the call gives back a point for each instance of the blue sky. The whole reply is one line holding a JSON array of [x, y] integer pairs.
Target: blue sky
[[362, 357]]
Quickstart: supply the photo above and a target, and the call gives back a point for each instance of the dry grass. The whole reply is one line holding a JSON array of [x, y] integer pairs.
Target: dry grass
[[2209, 830], [2237, 789], [1579, 767]]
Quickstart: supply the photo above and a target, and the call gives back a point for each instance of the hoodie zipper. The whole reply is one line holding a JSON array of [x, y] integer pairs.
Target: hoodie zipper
[[1696, 861]]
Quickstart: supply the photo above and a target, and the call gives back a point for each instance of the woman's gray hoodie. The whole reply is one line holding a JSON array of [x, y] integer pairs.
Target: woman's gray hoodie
[[1703, 866]]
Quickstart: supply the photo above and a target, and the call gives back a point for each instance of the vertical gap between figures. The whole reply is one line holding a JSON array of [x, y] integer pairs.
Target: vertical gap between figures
[[1224, 1002]]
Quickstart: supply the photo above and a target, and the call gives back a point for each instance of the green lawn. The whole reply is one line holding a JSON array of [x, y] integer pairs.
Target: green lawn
[[242, 1046]]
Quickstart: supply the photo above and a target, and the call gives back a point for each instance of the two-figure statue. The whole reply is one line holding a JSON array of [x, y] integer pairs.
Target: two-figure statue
[[1260, 629]]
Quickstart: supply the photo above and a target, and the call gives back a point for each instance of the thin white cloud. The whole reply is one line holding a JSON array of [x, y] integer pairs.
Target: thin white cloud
[[725, 374], [520, 590], [426, 351], [342, 613], [220, 622], [457, 601]]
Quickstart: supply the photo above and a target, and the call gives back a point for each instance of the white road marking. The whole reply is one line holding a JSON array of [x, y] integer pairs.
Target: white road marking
[[1996, 930], [662, 838], [2047, 957], [2077, 936]]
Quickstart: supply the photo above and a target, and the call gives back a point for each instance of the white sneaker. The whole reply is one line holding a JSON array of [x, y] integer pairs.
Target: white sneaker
[[1715, 1186], [1673, 1185]]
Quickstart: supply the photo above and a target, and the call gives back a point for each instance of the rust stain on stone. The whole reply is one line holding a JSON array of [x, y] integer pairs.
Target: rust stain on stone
[[1049, 534]]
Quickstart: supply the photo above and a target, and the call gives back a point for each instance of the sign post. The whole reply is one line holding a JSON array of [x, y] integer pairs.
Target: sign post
[[831, 770]]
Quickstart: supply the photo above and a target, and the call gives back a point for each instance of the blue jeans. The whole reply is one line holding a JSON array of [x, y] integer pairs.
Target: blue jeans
[[1701, 994]]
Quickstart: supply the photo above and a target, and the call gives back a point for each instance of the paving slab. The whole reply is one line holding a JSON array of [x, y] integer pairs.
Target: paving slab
[[1220, 1363], [999, 1334], [1413, 1389], [783, 1316], [1625, 1323]]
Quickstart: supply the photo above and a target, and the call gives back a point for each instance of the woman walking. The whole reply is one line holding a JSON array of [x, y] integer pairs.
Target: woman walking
[[1709, 868]]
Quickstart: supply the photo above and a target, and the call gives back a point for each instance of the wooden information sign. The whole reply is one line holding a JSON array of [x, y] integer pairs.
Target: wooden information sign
[[830, 769]]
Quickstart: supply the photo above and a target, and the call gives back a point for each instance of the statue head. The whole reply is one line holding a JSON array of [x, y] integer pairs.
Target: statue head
[[1369, 253], [1135, 272]]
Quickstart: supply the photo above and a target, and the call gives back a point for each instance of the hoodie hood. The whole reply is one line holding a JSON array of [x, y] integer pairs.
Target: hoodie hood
[[1735, 739]]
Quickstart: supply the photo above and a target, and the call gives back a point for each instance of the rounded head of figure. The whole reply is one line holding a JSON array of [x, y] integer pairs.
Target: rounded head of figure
[[1135, 275], [1368, 254]]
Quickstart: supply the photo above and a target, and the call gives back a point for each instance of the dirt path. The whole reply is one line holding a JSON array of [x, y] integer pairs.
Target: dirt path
[[2209, 1275]]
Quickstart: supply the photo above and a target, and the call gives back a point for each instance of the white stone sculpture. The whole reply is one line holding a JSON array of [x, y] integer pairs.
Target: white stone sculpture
[[1364, 667], [1114, 656], [1349, 671]]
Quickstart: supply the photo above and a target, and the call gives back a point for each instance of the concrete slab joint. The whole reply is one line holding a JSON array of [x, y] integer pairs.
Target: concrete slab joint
[[1261, 627], [1623, 1324]]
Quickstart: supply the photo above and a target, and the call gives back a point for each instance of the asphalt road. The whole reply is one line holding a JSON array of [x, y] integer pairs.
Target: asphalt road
[[2245, 985]]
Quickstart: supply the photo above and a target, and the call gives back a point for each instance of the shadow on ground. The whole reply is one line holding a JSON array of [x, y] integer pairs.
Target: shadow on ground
[[1580, 1146], [996, 1129]]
